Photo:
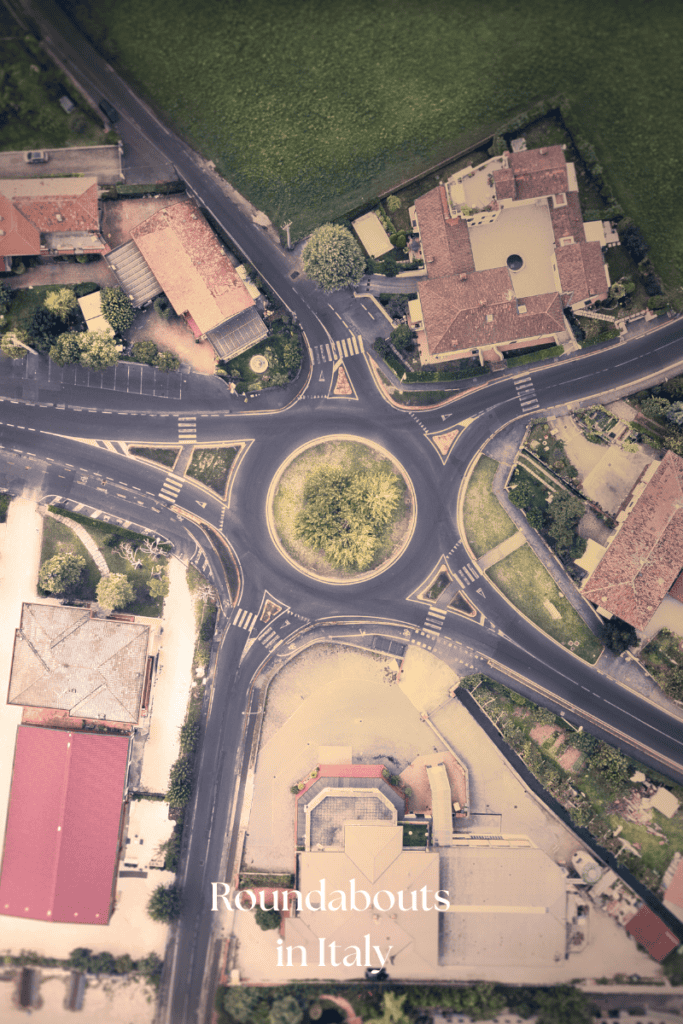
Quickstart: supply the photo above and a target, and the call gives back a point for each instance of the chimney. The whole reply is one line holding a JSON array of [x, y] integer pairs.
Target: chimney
[[463, 277], [59, 217], [543, 151]]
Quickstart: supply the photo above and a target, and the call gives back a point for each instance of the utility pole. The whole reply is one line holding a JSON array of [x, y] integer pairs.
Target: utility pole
[[286, 227]]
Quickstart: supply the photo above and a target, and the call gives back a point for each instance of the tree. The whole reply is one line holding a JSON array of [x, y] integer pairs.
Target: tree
[[124, 964], [166, 361], [655, 406], [159, 588], [267, 920], [6, 296], [180, 786], [673, 442], [675, 413], [613, 766], [117, 309], [393, 203], [66, 349], [115, 591], [397, 306], [619, 635], [162, 306], [402, 338], [239, 1002], [164, 903], [97, 350], [562, 1004], [61, 573], [392, 1010], [523, 494], [150, 967], [144, 352], [42, 329], [633, 241], [103, 963], [564, 514], [332, 258], [617, 290], [79, 958], [285, 1011], [62, 303]]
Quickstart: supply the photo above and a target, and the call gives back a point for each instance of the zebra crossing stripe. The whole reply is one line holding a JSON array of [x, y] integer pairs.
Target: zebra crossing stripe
[[437, 613]]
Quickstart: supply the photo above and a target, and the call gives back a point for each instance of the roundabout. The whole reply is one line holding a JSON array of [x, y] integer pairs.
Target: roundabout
[[340, 480]]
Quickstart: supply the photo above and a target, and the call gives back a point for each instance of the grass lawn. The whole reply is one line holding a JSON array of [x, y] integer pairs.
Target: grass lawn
[[312, 109], [289, 501], [26, 301], [164, 456], [663, 657], [143, 602], [211, 466], [486, 524], [32, 117], [526, 583], [533, 357], [58, 539]]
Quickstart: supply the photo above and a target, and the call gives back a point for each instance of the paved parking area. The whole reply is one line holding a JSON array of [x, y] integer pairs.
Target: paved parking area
[[104, 162], [133, 378]]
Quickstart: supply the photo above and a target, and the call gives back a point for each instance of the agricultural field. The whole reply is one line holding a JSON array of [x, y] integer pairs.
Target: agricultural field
[[313, 109]]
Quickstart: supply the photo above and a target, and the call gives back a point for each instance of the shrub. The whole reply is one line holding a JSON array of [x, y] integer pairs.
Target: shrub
[[166, 362], [393, 203], [117, 309], [267, 920], [162, 306], [164, 903], [144, 352]]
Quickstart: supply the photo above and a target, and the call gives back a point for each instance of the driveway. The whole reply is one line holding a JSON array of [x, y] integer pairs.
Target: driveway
[[102, 161]]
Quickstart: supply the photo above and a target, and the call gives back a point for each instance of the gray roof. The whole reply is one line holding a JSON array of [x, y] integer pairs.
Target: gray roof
[[92, 668], [133, 273], [344, 782], [238, 333]]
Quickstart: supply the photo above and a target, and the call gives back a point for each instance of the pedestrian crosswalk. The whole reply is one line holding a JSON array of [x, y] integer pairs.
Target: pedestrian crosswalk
[[171, 488], [465, 574], [333, 350], [269, 638], [526, 393], [244, 619], [187, 429], [435, 620]]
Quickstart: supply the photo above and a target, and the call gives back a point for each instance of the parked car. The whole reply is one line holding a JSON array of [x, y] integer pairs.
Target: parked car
[[66, 103], [36, 156], [109, 112]]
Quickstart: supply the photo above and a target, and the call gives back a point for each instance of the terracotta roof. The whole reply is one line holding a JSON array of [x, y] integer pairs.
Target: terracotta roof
[[92, 668], [539, 172], [61, 841], [674, 894], [445, 241], [677, 589], [54, 205], [568, 219], [191, 266], [504, 181], [646, 555], [582, 270], [651, 932], [19, 237], [455, 312]]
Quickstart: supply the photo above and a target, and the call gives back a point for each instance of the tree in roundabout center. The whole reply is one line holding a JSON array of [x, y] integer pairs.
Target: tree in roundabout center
[[61, 573], [164, 903], [114, 591], [346, 514], [332, 258]]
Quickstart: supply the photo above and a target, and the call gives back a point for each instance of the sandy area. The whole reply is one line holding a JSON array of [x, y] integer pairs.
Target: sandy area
[[107, 1001], [20, 540], [171, 688], [173, 335]]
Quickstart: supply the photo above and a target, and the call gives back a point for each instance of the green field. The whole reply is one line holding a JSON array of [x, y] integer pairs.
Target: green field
[[486, 524], [311, 109], [527, 584]]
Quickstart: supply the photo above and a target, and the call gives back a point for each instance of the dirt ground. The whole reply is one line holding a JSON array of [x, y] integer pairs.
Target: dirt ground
[[107, 1000]]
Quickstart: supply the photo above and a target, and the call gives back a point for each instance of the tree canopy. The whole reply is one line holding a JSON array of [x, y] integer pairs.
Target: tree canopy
[[115, 591], [345, 514], [61, 573], [117, 309], [164, 903], [333, 258], [285, 1011], [62, 303], [93, 349]]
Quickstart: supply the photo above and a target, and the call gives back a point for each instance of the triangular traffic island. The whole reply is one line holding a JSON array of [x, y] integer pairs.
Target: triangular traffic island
[[433, 585], [444, 441], [270, 608], [340, 385]]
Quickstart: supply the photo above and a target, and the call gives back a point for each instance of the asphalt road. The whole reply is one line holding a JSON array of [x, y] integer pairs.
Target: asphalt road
[[47, 430]]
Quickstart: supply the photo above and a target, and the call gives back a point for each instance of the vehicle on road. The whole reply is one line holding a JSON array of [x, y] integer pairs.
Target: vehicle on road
[[109, 112], [36, 156]]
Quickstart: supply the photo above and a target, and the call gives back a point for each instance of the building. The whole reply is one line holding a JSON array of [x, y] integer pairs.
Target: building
[[175, 251], [91, 308], [66, 659], [63, 825], [644, 557], [352, 832], [49, 217], [651, 932], [505, 250]]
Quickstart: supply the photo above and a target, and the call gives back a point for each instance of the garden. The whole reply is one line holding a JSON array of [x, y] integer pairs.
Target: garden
[[663, 658], [283, 352], [211, 466], [486, 523]]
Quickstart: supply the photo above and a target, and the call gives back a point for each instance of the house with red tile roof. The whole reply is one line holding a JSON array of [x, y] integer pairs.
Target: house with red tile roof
[[644, 558], [49, 216], [63, 825], [199, 279], [651, 932], [505, 251]]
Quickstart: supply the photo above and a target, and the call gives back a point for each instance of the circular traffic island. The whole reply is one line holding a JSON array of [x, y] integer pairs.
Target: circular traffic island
[[341, 509]]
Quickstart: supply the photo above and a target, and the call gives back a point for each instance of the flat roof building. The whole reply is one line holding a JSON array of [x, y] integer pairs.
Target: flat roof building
[[63, 825]]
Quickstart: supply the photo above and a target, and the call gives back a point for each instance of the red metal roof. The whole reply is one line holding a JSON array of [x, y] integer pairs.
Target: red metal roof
[[61, 841], [651, 932]]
